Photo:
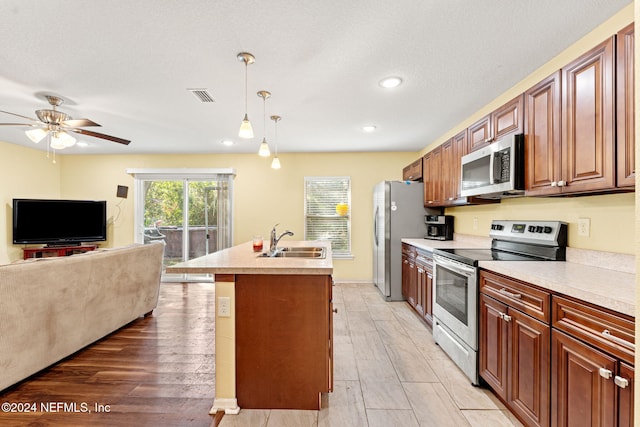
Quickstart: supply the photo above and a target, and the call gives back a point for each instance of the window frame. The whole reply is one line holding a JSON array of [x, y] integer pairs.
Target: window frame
[[307, 179]]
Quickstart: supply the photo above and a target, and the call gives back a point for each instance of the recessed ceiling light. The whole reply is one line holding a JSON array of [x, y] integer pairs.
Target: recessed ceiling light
[[227, 142], [390, 82], [369, 128]]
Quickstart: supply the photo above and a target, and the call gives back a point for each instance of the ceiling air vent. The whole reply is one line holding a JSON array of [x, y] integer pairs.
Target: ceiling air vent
[[202, 95]]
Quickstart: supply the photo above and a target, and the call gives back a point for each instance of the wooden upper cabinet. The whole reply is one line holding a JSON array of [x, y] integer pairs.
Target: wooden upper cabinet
[[413, 172], [480, 133], [432, 164], [588, 120], [503, 121], [542, 130], [508, 119], [625, 108]]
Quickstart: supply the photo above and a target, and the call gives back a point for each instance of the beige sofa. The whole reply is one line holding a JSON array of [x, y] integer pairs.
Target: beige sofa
[[53, 307]]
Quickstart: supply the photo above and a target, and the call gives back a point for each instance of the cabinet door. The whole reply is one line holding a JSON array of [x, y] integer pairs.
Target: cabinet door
[[624, 381], [460, 148], [480, 133], [447, 164], [435, 176], [588, 121], [428, 186], [406, 273], [625, 108], [493, 346], [413, 172], [508, 119], [580, 393], [529, 390], [542, 132]]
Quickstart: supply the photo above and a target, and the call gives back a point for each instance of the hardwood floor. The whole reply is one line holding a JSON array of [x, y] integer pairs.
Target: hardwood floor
[[159, 371], [156, 371]]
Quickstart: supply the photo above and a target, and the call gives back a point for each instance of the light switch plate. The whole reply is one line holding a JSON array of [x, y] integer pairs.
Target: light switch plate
[[224, 307]]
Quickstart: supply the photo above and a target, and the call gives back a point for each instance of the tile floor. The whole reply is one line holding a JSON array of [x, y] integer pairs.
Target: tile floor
[[388, 372]]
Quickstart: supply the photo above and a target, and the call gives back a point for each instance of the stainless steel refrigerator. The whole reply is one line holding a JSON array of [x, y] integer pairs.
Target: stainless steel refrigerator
[[398, 209]]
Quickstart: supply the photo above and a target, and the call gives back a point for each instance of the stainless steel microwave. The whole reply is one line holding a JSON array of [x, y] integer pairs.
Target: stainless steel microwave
[[495, 171]]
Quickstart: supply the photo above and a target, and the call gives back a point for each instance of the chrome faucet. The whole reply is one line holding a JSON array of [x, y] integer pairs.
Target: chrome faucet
[[273, 242]]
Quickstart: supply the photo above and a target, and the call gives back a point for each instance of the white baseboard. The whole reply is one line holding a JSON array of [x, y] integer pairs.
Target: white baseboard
[[357, 281], [228, 405]]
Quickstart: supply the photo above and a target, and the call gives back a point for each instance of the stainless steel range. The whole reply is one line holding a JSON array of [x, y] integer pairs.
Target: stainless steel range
[[455, 301]]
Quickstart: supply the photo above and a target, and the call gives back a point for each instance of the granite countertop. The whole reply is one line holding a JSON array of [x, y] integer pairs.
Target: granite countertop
[[604, 287], [600, 286], [241, 259]]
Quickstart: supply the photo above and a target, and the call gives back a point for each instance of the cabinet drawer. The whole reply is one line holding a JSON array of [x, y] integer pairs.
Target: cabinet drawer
[[611, 332], [408, 250], [533, 301], [424, 260]]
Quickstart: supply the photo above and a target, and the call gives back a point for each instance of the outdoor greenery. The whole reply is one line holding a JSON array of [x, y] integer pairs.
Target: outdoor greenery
[[164, 201]]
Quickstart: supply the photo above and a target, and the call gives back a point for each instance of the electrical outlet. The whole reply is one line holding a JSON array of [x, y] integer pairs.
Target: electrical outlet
[[584, 227], [475, 222], [224, 307]]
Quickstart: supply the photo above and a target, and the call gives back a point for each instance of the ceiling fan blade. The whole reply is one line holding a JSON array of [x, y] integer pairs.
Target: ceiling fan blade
[[75, 123], [100, 135], [19, 115], [18, 124]]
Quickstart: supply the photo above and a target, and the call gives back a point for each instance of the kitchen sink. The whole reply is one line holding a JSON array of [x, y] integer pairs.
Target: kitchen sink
[[299, 252]]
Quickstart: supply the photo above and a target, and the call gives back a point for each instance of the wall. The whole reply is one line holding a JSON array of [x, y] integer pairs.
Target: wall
[[262, 196], [612, 216], [24, 173]]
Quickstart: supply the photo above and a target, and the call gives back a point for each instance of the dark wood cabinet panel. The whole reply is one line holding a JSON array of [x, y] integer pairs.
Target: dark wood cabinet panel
[[581, 395], [625, 383], [409, 275], [480, 133], [283, 345], [529, 388], [542, 130], [588, 121], [508, 119], [432, 178], [625, 108], [424, 268], [532, 301], [413, 171], [494, 348], [448, 160]]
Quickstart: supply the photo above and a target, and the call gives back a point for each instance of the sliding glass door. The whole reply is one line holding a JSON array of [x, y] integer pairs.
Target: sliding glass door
[[190, 212]]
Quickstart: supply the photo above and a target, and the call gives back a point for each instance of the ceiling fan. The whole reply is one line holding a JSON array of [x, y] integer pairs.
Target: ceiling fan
[[57, 125]]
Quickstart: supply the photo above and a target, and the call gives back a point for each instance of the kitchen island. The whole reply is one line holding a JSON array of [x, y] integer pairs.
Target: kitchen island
[[274, 327]]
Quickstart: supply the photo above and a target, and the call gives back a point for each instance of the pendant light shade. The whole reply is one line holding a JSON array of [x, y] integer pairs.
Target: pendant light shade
[[275, 163], [36, 135], [264, 146], [246, 130]]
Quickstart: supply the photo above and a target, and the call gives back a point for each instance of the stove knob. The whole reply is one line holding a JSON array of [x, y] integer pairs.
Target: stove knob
[[539, 229], [547, 229], [499, 227], [532, 229]]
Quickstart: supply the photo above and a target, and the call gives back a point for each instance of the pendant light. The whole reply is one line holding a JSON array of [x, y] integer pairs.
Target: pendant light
[[264, 147], [275, 163], [246, 131]]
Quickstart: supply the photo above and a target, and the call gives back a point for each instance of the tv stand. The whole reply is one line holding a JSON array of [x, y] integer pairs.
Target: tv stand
[[56, 251]]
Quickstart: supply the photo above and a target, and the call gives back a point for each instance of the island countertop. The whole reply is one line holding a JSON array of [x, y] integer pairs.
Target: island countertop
[[241, 259]]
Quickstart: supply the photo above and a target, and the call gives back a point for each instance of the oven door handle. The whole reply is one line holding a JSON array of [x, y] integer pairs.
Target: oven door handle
[[454, 265]]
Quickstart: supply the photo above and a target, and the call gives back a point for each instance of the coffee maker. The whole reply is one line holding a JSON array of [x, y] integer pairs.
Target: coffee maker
[[439, 227]]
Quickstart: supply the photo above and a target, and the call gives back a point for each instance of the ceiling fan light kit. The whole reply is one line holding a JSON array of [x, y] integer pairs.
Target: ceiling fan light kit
[[246, 131]]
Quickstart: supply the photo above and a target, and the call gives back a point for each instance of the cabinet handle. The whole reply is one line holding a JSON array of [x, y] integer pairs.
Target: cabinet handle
[[621, 382], [504, 317], [554, 184], [504, 291], [605, 373], [561, 183], [335, 310], [617, 340], [451, 198]]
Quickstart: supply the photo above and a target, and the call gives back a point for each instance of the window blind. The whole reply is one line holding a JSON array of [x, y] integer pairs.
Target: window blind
[[328, 211]]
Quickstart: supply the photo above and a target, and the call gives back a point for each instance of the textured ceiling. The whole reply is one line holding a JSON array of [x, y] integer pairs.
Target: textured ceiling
[[127, 65]]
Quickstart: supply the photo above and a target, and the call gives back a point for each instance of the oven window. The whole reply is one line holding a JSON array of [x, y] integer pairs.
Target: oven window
[[452, 293]]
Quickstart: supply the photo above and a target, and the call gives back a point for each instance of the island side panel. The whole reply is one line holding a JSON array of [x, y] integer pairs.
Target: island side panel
[[225, 355], [282, 340]]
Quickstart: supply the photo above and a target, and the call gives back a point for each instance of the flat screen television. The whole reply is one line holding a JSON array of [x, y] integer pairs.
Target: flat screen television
[[59, 222]]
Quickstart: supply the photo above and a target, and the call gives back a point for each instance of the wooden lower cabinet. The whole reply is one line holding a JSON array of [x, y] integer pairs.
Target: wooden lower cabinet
[[514, 350], [284, 348], [417, 281]]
